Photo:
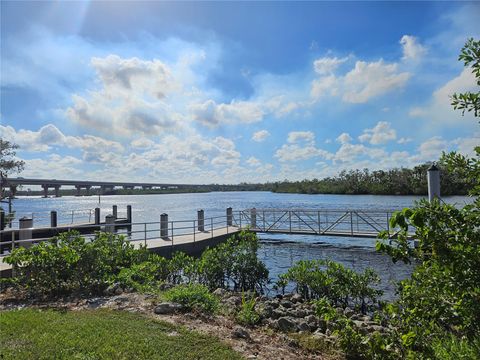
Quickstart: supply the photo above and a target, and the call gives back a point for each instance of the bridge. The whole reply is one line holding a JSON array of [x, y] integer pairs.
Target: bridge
[[103, 186]]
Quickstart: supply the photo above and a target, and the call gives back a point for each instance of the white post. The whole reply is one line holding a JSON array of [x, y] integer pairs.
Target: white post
[[433, 179], [25, 232]]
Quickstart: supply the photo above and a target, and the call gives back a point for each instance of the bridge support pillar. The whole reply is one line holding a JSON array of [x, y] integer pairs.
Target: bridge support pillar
[[201, 220], [57, 191], [87, 193], [13, 191], [79, 190], [229, 216], [45, 190], [53, 219], [164, 226], [253, 218]]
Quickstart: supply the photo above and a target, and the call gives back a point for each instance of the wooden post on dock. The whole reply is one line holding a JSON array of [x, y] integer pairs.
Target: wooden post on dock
[[433, 179], [110, 223], [97, 216], [25, 233], [253, 218], [229, 216], [129, 214], [53, 219], [164, 226], [2, 219], [201, 220], [114, 211]]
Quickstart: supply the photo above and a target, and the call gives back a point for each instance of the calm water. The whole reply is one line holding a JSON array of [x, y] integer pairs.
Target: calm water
[[279, 252]]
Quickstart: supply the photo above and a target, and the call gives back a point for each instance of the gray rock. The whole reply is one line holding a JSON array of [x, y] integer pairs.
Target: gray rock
[[277, 313], [220, 292], [348, 312], [286, 304], [286, 324], [167, 308], [311, 319], [373, 328], [118, 291], [322, 325], [234, 301], [296, 298], [109, 291], [359, 324], [240, 333], [303, 326]]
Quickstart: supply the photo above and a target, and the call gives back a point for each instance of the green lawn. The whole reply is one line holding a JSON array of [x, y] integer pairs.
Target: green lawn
[[100, 334]]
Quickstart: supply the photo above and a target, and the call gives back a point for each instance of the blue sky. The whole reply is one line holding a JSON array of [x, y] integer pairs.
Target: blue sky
[[231, 92]]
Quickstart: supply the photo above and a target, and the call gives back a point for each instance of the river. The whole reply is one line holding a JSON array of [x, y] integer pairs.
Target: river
[[279, 252]]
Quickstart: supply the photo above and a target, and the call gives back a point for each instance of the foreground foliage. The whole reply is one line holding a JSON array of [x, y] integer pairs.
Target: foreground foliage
[[325, 279], [194, 297], [101, 334], [69, 264]]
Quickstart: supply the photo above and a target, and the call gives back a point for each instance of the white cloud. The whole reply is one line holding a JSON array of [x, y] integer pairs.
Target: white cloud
[[404, 140], [260, 135], [344, 138], [327, 65], [412, 50], [365, 81], [301, 146], [297, 136], [133, 98], [439, 110], [212, 114], [371, 79], [253, 161], [142, 143], [49, 135], [380, 134]]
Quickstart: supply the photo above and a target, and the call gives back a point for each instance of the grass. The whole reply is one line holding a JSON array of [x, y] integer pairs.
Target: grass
[[101, 334]]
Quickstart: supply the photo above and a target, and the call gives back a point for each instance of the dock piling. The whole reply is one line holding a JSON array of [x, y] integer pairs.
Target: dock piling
[[201, 220], [53, 219], [114, 211], [97, 216], [229, 216], [164, 226]]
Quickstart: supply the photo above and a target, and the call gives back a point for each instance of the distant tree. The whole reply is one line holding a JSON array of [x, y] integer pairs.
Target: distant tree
[[8, 162]]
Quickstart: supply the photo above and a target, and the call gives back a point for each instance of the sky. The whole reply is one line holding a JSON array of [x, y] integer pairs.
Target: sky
[[227, 92]]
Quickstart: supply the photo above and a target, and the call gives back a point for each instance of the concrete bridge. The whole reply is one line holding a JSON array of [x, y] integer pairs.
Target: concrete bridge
[[103, 186]]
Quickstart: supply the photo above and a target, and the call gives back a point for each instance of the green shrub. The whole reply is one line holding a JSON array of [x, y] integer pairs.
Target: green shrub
[[317, 279], [69, 264], [233, 263], [145, 276], [194, 297], [247, 314]]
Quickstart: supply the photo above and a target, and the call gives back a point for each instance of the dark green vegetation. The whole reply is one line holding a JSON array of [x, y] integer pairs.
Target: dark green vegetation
[[331, 281], [193, 297], [390, 182], [101, 334], [71, 265]]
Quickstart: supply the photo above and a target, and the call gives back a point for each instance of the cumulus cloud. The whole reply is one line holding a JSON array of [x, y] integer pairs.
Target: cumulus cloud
[[212, 114], [49, 135], [132, 98], [364, 82], [298, 136], [327, 65], [300, 146], [344, 138], [253, 161], [438, 109], [260, 135], [371, 79], [412, 50], [380, 134], [142, 143]]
